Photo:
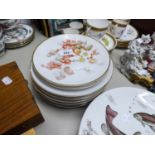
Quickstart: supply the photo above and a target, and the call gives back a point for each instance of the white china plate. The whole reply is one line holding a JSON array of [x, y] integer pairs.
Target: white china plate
[[66, 104], [21, 44], [66, 99], [71, 60], [78, 93], [72, 88], [59, 105], [120, 111], [98, 23], [19, 34]]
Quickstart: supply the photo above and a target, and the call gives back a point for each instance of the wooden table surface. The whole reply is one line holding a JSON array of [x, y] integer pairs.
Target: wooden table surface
[[18, 110]]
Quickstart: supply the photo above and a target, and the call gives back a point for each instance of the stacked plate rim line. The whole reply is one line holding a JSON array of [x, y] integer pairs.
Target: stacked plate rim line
[[70, 70]]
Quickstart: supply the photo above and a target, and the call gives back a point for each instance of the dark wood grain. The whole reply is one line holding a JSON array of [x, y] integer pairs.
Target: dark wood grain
[[18, 110]]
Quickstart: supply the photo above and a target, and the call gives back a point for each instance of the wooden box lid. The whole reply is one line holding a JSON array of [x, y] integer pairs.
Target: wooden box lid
[[18, 110]]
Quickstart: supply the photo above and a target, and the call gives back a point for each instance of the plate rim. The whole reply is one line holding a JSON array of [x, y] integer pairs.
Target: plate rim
[[107, 91], [113, 38], [127, 41], [110, 76]]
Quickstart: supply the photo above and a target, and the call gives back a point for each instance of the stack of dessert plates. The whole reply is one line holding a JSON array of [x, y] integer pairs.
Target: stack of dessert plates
[[20, 36], [70, 70], [128, 35], [120, 111]]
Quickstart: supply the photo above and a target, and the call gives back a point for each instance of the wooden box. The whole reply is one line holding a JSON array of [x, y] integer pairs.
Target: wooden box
[[18, 110]]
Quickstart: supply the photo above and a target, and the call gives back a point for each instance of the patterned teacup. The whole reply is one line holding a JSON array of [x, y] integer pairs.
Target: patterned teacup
[[118, 26], [96, 27]]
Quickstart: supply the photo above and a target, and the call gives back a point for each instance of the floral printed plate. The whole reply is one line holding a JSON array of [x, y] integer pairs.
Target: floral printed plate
[[71, 60], [120, 111], [9, 24], [18, 35]]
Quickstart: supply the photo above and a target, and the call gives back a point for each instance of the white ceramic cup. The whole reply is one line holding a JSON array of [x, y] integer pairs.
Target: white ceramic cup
[[94, 33], [98, 24], [76, 25], [118, 26], [70, 31], [96, 27]]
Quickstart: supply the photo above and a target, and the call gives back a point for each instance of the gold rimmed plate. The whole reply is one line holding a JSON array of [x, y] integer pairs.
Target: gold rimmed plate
[[120, 111], [21, 44], [69, 99], [71, 60], [128, 35], [72, 94], [109, 41], [19, 36]]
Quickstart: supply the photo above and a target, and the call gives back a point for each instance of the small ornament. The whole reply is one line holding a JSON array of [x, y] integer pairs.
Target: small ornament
[[138, 62]]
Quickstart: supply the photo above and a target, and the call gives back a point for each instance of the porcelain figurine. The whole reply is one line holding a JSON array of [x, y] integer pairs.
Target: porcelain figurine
[[138, 62], [146, 39], [132, 61]]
